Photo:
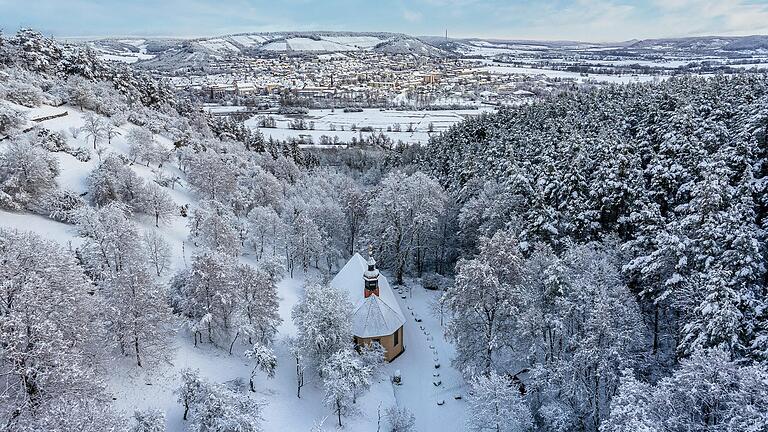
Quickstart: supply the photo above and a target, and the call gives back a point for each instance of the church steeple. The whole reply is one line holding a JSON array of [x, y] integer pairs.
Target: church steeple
[[371, 276]]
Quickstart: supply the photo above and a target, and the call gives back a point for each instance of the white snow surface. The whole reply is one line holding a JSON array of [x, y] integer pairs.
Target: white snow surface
[[380, 120], [377, 315]]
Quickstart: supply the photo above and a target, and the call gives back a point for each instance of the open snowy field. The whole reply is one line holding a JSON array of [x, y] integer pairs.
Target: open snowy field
[[500, 69], [330, 123]]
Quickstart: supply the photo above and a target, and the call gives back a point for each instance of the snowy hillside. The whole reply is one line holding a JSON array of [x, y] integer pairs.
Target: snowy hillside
[[192, 53], [131, 386]]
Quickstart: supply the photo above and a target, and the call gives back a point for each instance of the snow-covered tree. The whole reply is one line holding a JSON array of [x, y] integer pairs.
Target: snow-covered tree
[[112, 240], [496, 405], [80, 92], [59, 205], [142, 146], [112, 181], [257, 187], [258, 300], [227, 301], [303, 241], [49, 332], [151, 420], [71, 414], [354, 204], [295, 348], [214, 226], [402, 217], [157, 203], [211, 176], [94, 127], [11, 120], [602, 333], [344, 373], [206, 296], [483, 302], [26, 173], [264, 360], [266, 230], [22, 94], [35, 52], [157, 251], [136, 309], [138, 315], [707, 391], [322, 323], [216, 408], [190, 390], [219, 409], [399, 419]]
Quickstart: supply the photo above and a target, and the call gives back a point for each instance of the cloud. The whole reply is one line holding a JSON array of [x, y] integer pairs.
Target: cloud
[[586, 20], [412, 16], [616, 20], [723, 17]]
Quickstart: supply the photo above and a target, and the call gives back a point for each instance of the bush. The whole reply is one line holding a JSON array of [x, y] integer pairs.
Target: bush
[[81, 154], [434, 281], [10, 119], [285, 110], [51, 141], [21, 93], [400, 419], [59, 205], [26, 172]]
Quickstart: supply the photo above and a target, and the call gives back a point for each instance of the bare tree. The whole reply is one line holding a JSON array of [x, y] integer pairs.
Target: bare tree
[[94, 127]]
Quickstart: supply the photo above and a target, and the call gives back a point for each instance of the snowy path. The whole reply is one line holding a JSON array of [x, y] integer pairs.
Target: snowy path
[[418, 392]]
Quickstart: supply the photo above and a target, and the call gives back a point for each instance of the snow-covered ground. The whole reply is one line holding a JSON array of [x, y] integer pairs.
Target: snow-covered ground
[[424, 342], [134, 388], [516, 70], [379, 120]]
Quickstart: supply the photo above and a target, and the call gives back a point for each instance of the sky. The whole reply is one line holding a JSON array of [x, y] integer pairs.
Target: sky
[[583, 20]]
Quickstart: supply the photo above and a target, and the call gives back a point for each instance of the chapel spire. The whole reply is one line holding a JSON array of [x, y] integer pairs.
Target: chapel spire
[[371, 276]]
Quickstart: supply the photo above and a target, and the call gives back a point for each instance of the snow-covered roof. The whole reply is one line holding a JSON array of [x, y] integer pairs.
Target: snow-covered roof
[[373, 316]]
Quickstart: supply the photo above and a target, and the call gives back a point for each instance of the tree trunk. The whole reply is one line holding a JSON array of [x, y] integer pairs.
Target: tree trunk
[[233, 342], [655, 328], [138, 355]]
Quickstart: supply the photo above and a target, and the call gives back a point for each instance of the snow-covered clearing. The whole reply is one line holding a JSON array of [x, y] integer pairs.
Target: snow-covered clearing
[[516, 70], [379, 120], [425, 343]]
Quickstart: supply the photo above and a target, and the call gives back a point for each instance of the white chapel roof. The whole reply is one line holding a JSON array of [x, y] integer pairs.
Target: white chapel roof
[[373, 316]]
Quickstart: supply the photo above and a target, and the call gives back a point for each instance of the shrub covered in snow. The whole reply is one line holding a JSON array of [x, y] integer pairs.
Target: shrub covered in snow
[[26, 172], [49, 140], [151, 420], [59, 204], [496, 404], [400, 419], [11, 119], [212, 407], [21, 93]]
